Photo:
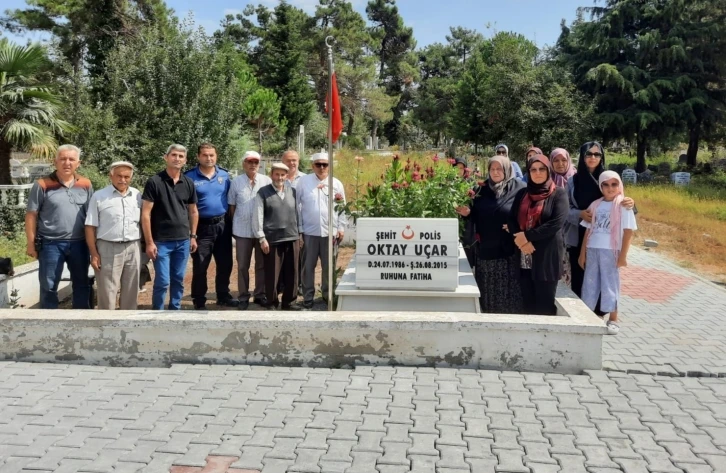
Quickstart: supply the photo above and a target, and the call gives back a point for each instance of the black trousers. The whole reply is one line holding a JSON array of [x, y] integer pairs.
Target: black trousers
[[281, 264], [214, 239], [538, 297]]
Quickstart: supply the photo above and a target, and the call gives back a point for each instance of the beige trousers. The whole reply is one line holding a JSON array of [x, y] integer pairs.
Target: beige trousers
[[120, 267]]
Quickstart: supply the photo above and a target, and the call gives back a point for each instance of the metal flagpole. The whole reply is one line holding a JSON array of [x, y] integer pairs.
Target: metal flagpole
[[331, 192]]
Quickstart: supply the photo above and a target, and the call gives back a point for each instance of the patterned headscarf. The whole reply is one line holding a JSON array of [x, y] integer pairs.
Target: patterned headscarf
[[561, 179]]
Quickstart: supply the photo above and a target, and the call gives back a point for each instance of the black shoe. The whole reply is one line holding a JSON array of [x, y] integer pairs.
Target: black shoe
[[260, 300], [243, 305], [228, 303], [202, 306]]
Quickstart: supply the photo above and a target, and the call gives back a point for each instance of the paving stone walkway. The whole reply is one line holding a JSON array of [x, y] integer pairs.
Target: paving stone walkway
[[674, 322], [242, 419]]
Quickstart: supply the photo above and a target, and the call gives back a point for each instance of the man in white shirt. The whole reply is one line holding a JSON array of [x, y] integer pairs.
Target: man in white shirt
[[113, 235], [291, 159], [312, 197], [242, 201]]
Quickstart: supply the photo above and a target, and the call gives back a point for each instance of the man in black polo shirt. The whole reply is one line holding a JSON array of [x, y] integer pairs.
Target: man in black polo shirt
[[169, 220]]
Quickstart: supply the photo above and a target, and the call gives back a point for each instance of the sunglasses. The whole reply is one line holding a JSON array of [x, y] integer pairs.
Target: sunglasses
[[614, 185], [543, 169], [252, 161], [590, 154], [321, 165]]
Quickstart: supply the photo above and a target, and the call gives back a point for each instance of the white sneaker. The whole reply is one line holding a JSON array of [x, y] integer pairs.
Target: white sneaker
[[613, 327]]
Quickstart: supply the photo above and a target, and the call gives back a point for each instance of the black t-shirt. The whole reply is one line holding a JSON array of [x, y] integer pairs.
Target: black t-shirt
[[170, 214]]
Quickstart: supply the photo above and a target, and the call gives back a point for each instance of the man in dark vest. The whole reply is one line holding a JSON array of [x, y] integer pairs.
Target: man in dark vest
[[275, 223]]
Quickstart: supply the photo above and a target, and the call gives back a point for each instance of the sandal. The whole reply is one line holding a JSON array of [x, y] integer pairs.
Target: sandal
[[613, 327]]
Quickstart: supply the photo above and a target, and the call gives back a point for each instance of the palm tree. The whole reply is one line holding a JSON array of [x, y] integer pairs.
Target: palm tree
[[29, 109]]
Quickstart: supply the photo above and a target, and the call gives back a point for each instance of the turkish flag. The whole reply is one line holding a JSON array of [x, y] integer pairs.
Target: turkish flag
[[337, 116]]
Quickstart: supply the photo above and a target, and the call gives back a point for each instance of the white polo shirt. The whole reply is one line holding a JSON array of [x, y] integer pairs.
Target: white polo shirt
[[115, 216]]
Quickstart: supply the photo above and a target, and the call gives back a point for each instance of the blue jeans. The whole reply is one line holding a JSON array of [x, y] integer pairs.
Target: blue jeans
[[53, 254], [170, 266]]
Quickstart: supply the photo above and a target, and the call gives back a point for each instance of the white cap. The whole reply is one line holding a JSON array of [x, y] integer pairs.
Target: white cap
[[119, 164], [319, 157], [280, 166], [251, 154]]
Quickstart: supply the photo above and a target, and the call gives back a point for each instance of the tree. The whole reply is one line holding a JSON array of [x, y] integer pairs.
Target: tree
[[29, 108], [170, 86], [87, 29], [393, 46], [262, 110]]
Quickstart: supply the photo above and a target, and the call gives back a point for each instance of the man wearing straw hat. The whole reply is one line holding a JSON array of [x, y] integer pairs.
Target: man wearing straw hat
[[113, 235], [312, 198]]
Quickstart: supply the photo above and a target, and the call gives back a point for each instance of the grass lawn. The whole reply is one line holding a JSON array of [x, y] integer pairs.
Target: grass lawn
[[14, 248]]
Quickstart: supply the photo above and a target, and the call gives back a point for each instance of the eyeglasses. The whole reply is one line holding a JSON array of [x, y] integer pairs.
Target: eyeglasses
[[590, 154], [614, 185], [321, 165], [252, 161], [542, 169]]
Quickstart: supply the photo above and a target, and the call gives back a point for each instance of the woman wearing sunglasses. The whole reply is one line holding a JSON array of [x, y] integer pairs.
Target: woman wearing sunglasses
[[584, 189], [535, 221]]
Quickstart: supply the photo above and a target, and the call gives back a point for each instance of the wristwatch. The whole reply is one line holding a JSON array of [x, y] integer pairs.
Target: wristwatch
[[193, 235]]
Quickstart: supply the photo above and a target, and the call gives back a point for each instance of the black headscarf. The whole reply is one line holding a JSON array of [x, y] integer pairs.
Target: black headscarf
[[587, 189]]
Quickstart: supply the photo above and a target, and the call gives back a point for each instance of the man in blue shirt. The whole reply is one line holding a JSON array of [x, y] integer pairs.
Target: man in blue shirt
[[214, 233]]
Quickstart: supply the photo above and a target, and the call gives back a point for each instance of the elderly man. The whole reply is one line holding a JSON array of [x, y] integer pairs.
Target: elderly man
[[241, 200], [312, 198], [169, 221], [291, 159], [214, 230], [275, 225], [113, 236], [54, 227]]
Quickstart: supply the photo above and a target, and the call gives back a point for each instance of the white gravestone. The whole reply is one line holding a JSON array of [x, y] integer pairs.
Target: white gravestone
[[630, 176], [407, 253], [681, 178]]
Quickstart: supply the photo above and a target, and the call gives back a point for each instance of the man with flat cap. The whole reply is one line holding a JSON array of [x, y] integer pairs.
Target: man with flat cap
[[113, 235], [275, 224], [312, 197], [241, 200]]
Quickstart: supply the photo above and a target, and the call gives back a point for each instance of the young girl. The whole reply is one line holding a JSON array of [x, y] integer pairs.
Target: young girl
[[605, 248]]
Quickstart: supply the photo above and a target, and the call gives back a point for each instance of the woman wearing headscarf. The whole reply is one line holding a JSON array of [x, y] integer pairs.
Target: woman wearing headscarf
[[583, 189], [532, 151], [497, 265], [536, 220], [503, 150], [562, 171]]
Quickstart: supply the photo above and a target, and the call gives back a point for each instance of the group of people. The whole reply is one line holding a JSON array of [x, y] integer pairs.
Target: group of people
[[553, 222], [203, 212]]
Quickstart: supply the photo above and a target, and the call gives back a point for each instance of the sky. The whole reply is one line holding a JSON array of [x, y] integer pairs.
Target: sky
[[538, 20]]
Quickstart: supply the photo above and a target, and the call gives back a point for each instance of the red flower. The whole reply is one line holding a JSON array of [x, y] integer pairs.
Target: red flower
[[395, 186], [417, 167], [338, 197], [471, 193], [416, 176], [435, 158], [407, 168], [395, 157], [404, 185]]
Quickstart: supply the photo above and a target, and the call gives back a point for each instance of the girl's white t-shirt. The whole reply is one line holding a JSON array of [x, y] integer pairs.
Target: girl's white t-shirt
[[600, 234]]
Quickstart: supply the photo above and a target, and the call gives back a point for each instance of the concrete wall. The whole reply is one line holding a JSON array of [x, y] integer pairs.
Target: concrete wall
[[145, 338], [26, 282]]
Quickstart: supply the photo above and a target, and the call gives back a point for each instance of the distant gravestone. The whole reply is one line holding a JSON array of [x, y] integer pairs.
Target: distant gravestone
[[630, 176], [665, 169], [683, 158], [681, 178], [646, 177]]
